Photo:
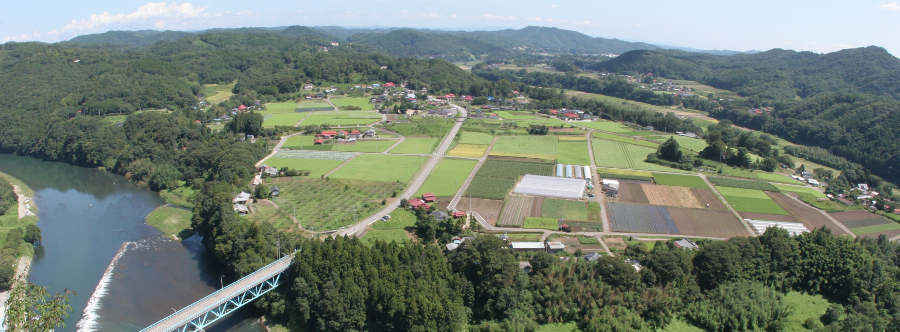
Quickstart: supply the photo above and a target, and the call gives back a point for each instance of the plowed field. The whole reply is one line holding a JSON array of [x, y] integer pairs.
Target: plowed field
[[641, 218], [517, 207], [810, 217], [671, 196], [701, 222], [537, 204], [489, 209]]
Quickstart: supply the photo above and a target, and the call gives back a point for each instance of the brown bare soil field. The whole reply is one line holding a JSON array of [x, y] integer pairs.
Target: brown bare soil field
[[684, 197], [443, 201], [852, 215], [514, 212], [769, 217], [658, 195], [809, 216], [391, 117], [615, 242], [634, 193], [671, 196], [706, 196], [274, 143], [537, 204], [489, 209], [699, 222]]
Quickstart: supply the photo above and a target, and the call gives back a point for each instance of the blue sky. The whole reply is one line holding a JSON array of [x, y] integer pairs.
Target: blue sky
[[819, 26]]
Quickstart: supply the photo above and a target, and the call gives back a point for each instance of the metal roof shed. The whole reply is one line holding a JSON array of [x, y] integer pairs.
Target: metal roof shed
[[569, 171], [577, 172], [559, 170]]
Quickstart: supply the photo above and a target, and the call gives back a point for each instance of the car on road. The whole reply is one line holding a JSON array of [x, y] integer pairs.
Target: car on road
[[385, 218]]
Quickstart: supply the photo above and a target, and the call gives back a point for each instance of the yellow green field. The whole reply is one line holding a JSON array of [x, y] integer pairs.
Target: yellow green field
[[286, 119], [447, 177], [468, 150]]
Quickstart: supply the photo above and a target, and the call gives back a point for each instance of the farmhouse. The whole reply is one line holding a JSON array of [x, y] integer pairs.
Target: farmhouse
[[274, 191], [319, 141], [241, 209], [428, 197], [418, 204], [451, 246], [241, 198], [440, 215], [610, 184], [553, 247], [686, 244], [355, 134], [592, 256], [327, 134], [459, 214]]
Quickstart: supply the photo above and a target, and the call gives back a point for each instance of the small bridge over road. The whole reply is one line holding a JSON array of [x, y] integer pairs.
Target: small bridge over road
[[207, 310]]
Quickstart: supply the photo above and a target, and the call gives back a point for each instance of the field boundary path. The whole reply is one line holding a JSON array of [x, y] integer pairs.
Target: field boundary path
[[301, 120], [839, 224], [276, 148], [328, 99], [602, 243], [417, 182], [465, 185], [601, 198], [730, 208], [341, 165]]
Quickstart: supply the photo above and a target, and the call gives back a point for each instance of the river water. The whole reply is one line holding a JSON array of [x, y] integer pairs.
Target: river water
[[86, 216]]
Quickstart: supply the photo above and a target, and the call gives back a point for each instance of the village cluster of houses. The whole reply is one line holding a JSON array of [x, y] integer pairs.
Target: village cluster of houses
[[806, 177], [669, 86], [351, 135], [567, 114]]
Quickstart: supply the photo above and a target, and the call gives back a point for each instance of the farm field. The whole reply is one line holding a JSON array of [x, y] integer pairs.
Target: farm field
[[863, 223], [621, 155], [392, 235], [316, 168], [400, 219], [705, 222], [543, 223], [287, 119], [565, 209], [609, 126], [317, 155], [416, 145], [680, 180], [279, 218], [328, 204], [496, 178], [447, 177], [217, 93], [749, 200], [369, 146], [362, 103], [671, 196], [341, 118], [641, 218], [468, 150], [509, 115], [537, 147], [746, 184], [801, 190], [774, 177], [514, 211], [810, 217], [469, 137], [624, 174], [489, 209], [574, 153], [428, 126], [314, 105], [379, 167], [625, 139]]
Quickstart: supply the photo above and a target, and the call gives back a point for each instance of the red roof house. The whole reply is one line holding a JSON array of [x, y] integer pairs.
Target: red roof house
[[896, 211], [354, 132], [554, 112], [570, 115], [389, 85], [418, 203], [459, 214], [319, 142], [197, 121], [242, 107], [327, 133], [468, 98], [428, 197], [452, 95]]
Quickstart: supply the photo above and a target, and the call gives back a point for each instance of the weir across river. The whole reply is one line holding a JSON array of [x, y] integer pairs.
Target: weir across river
[[207, 310]]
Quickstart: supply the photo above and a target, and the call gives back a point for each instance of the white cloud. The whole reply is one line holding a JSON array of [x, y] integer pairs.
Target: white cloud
[[454, 16], [492, 17], [21, 38], [889, 6], [149, 11]]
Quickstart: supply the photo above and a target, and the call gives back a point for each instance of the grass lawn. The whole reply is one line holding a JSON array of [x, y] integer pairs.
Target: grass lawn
[[113, 119], [804, 306], [543, 223], [680, 180], [216, 93], [876, 229], [537, 147], [755, 205], [523, 236], [173, 222], [316, 168], [693, 144], [287, 119], [400, 219], [362, 103], [574, 152], [179, 197], [468, 137], [416, 145], [468, 150], [377, 167], [447, 177], [773, 177], [393, 235], [566, 209], [277, 108], [323, 204], [801, 190], [279, 218]]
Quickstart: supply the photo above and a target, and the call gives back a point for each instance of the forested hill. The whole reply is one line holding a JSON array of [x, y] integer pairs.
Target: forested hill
[[560, 40], [169, 74], [413, 43], [774, 74], [131, 38]]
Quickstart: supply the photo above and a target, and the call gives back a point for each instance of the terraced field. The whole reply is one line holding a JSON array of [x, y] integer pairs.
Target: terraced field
[[317, 155], [447, 177], [751, 200], [863, 223], [517, 207], [316, 167], [287, 119]]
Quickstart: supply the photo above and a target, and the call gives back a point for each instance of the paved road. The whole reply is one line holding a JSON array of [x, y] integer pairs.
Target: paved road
[[217, 298], [730, 208], [417, 181]]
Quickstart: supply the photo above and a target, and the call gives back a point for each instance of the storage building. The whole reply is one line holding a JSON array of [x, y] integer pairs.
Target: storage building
[[526, 246], [547, 186]]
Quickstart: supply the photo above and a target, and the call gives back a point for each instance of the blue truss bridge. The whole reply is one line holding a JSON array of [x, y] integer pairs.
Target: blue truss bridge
[[207, 310]]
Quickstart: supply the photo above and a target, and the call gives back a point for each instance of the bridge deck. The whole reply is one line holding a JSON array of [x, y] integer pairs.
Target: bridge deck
[[210, 302]]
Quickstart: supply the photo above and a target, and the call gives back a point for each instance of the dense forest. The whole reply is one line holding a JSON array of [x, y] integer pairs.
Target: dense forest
[[774, 74]]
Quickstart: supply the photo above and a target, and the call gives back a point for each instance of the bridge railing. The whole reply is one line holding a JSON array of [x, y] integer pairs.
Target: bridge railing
[[190, 317]]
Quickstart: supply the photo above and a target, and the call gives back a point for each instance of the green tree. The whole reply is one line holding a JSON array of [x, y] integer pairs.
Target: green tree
[[31, 308], [32, 234], [670, 150]]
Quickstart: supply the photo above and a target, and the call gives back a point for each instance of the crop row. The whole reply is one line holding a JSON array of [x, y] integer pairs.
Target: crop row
[[316, 155], [745, 184]]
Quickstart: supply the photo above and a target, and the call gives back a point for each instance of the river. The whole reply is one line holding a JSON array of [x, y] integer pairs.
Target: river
[[85, 216]]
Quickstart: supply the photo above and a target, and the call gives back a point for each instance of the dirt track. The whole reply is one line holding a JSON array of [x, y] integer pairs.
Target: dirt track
[[810, 217]]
